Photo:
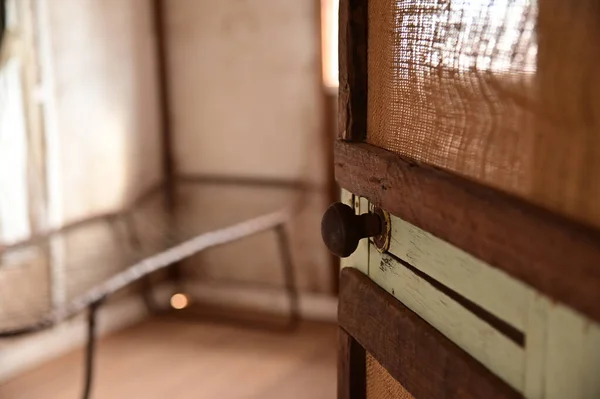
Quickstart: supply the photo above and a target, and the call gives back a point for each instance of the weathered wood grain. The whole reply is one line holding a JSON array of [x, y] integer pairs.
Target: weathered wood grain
[[353, 69], [557, 257], [483, 341], [572, 357], [535, 351], [490, 288], [425, 362], [562, 352]]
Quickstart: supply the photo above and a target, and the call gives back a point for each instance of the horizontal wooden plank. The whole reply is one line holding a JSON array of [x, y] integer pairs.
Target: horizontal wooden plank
[[491, 288], [557, 257], [420, 358], [482, 341]]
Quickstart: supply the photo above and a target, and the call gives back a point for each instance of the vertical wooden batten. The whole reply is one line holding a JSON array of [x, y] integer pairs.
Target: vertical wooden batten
[[353, 33], [328, 128], [351, 367], [333, 191]]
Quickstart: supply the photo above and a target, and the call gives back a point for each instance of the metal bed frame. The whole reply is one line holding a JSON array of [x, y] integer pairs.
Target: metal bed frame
[[92, 299]]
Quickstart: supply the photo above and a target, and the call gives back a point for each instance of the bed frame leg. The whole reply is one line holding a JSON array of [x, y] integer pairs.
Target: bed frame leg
[[90, 349], [289, 276]]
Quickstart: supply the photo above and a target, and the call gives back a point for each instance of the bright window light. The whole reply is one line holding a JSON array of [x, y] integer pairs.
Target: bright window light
[[329, 41]]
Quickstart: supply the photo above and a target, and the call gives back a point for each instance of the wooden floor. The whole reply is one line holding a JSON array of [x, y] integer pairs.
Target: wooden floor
[[169, 358]]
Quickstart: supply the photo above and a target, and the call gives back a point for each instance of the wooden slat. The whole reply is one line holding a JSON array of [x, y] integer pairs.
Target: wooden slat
[[351, 367], [572, 356], [478, 338], [425, 362], [557, 257], [353, 69], [535, 351], [488, 287], [590, 383]]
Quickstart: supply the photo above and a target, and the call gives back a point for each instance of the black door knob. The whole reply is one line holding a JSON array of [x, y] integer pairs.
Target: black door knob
[[342, 229]]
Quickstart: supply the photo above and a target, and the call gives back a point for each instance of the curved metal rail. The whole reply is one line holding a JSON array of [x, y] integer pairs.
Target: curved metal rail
[[153, 263], [92, 298]]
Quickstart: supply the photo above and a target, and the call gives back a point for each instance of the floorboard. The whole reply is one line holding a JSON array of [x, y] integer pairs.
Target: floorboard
[[169, 358]]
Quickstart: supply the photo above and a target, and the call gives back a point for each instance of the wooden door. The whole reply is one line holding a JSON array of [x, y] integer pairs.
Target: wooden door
[[488, 220], [475, 123], [387, 351]]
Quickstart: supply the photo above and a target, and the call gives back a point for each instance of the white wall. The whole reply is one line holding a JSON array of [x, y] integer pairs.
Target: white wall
[[98, 89], [245, 79], [107, 118], [245, 86]]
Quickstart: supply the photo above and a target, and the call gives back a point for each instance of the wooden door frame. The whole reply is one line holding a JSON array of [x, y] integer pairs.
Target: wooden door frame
[[554, 255], [328, 103], [421, 359], [351, 367]]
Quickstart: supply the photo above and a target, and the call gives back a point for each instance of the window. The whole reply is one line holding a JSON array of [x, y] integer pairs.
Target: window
[[329, 41], [14, 213]]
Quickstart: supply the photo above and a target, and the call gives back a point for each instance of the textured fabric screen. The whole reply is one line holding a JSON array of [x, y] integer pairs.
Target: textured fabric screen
[[504, 92], [380, 384]]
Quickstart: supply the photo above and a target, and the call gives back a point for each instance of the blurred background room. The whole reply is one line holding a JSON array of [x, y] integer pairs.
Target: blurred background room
[[164, 165]]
